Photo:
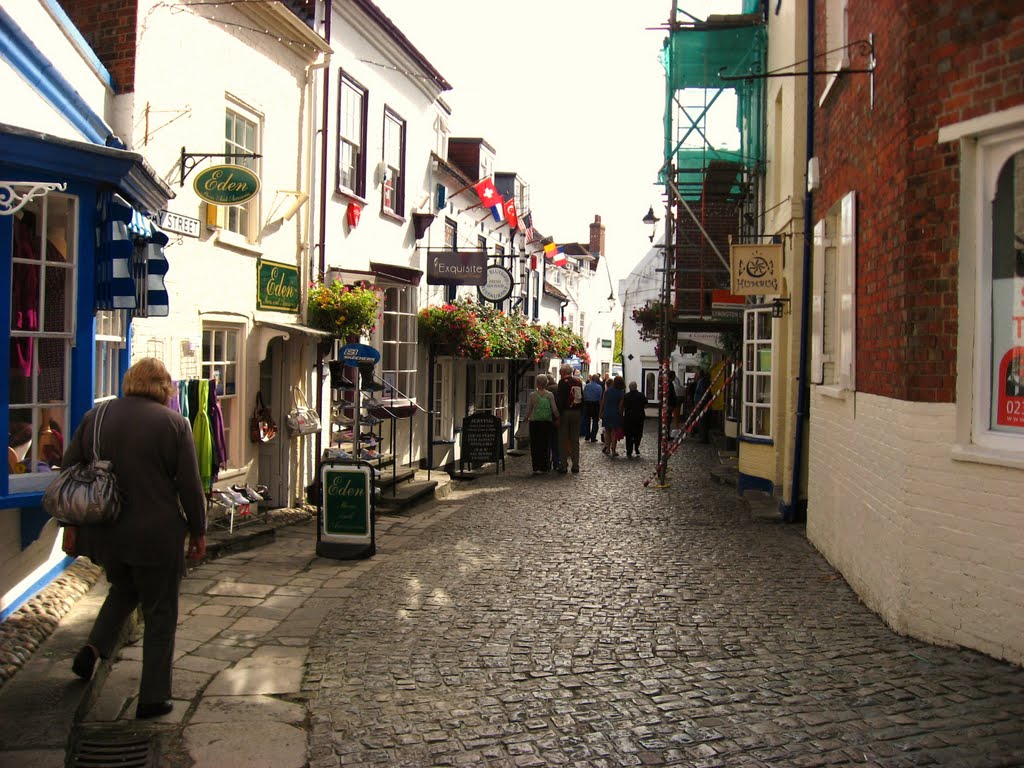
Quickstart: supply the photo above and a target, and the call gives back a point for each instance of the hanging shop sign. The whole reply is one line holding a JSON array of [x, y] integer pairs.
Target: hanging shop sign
[[756, 270], [346, 529], [182, 225], [499, 284], [358, 354], [726, 306], [456, 267], [277, 286], [226, 184]]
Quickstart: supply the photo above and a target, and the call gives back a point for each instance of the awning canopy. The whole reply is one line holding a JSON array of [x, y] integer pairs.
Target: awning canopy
[[392, 273], [288, 328]]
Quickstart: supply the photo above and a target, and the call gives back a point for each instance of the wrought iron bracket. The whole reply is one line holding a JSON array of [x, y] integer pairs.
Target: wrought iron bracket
[[12, 200], [189, 160], [858, 47]]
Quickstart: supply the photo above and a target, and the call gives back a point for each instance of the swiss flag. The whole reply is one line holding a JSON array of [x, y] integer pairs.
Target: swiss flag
[[511, 216], [487, 192]]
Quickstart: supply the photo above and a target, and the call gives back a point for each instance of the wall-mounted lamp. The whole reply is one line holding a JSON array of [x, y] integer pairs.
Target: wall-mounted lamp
[[611, 301], [777, 306], [651, 220]]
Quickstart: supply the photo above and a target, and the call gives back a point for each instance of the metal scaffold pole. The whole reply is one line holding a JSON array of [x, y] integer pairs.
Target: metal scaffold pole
[[664, 336]]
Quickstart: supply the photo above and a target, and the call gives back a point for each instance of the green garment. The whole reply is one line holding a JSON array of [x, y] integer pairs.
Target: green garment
[[203, 437]]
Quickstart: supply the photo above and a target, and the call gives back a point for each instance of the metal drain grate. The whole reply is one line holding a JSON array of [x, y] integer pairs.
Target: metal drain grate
[[114, 752]]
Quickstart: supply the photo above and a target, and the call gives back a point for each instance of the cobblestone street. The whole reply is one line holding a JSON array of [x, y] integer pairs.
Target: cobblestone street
[[585, 620]]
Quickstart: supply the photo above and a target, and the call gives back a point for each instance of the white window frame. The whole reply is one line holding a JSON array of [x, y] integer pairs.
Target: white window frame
[[753, 376], [442, 414], [834, 299], [392, 197], [398, 336], [232, 405], [41, 408], [353, 120], [491, 384], [220, 216], [111, 339], [986, 144]]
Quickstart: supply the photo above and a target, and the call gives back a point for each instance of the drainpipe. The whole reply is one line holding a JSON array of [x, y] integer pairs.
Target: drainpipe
[[322, 236], [795, 511]]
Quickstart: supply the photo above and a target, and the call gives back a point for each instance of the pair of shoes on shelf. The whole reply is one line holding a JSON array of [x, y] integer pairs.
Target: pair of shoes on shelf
[[373, 386], [333, 454], [368, 441], [85, 662], [147, 709], [369, 420], [247, 492], [229, 497]]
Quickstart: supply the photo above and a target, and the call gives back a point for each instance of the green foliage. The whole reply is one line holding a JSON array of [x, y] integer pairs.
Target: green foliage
[[344, 310], [479, 331]]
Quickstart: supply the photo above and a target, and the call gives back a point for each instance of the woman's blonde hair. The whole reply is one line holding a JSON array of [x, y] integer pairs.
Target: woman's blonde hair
[[149, 378]]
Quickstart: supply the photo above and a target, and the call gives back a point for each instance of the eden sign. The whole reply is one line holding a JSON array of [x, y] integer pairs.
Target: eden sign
[[277, 288], [226, 184]]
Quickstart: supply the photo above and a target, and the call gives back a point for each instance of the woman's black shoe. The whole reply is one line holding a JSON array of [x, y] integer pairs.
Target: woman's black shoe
[[85, 662], [146, 710]]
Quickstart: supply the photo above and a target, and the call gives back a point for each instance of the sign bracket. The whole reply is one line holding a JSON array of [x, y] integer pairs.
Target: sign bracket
[[189, 160]]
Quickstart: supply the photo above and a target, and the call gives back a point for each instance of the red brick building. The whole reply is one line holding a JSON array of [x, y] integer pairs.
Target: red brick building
[[916, 457]]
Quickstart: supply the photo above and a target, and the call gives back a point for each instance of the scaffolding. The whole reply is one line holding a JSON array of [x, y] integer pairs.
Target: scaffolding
[[712, 192]]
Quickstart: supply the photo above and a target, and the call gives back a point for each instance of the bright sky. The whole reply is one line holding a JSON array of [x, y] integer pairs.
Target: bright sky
[[570, 93]]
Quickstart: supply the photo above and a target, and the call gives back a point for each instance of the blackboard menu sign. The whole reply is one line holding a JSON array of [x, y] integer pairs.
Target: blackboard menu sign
[[481, 439]]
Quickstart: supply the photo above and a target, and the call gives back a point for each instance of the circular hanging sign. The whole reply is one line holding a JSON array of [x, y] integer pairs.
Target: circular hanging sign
[[226, 184], [499, 284]]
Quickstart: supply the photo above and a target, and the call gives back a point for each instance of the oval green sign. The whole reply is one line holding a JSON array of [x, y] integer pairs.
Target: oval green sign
[[226, 184]]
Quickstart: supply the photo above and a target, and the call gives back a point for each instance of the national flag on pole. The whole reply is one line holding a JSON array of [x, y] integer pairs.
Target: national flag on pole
[[498, 212], [511, 216], [488, 193], [528, 230]]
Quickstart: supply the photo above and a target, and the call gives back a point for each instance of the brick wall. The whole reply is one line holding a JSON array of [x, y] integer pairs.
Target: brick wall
[[938, 63], [109, 26]]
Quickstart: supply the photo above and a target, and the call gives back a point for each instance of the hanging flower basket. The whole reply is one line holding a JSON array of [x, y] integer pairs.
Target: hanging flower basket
[[344, 310], [649, 318], [478, 332]]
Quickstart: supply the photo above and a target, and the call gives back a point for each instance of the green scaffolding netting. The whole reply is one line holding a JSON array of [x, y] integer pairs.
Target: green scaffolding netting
[[693, 56]]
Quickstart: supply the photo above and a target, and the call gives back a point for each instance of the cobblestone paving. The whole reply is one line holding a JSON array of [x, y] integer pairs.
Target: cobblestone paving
[[584, 620]]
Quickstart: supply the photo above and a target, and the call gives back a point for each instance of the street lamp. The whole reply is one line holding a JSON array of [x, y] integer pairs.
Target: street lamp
[[611, 301], [651, 220]]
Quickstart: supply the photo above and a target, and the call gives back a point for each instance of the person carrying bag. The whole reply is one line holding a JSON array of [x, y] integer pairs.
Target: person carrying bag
[[542, 415]]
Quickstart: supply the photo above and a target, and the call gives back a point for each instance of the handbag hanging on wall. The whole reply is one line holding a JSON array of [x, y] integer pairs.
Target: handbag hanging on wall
[[85, 493], [302, 420], [262, 428]]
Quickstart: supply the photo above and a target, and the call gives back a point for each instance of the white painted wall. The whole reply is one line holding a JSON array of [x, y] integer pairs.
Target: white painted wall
[[935, 546]]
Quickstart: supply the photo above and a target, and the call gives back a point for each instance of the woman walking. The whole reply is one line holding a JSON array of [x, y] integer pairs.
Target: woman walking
[[634, 411], [154, 459], [611, 415], [542, 414]]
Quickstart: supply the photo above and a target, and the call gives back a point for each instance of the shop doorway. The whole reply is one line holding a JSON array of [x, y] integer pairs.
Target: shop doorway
[[272, 462]]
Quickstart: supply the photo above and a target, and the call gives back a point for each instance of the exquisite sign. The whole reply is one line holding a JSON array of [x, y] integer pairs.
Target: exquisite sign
[[457, 268], [277, 286], [756, 270], [226, 184], [499, 284]]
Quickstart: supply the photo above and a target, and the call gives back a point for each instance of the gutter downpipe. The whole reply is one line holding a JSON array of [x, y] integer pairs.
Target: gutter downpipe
[[796, 510], [322, 233]]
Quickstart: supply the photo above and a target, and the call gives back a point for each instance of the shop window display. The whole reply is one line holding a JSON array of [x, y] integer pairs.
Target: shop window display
[[41, 329]]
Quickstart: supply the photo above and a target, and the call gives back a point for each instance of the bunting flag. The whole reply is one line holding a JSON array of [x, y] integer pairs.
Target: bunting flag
[[511, 216], [487, 193], [553, 253]]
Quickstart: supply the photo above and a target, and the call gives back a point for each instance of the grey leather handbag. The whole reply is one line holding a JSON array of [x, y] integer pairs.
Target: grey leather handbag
[[85, 493]]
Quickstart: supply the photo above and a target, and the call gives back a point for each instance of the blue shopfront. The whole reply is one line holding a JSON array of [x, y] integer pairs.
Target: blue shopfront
[[79, 258]]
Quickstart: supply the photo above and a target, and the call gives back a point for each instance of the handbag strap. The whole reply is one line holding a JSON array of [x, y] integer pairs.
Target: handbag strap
[[299, 399], [256, 409], [97, 426]]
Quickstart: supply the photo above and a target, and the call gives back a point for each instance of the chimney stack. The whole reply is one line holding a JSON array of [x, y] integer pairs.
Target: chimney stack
[[597, 237]]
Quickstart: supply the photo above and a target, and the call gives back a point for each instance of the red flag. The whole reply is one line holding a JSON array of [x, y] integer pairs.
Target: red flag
[[487, 192], [511, 216]]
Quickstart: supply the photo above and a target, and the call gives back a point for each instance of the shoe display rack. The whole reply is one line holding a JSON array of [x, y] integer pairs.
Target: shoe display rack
[[230, 508], [356, 435]]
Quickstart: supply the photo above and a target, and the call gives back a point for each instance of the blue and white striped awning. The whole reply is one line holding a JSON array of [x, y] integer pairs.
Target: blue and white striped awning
[[130, 260]]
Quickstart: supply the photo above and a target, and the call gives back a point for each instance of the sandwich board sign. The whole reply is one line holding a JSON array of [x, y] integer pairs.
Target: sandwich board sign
[[346, 526]]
